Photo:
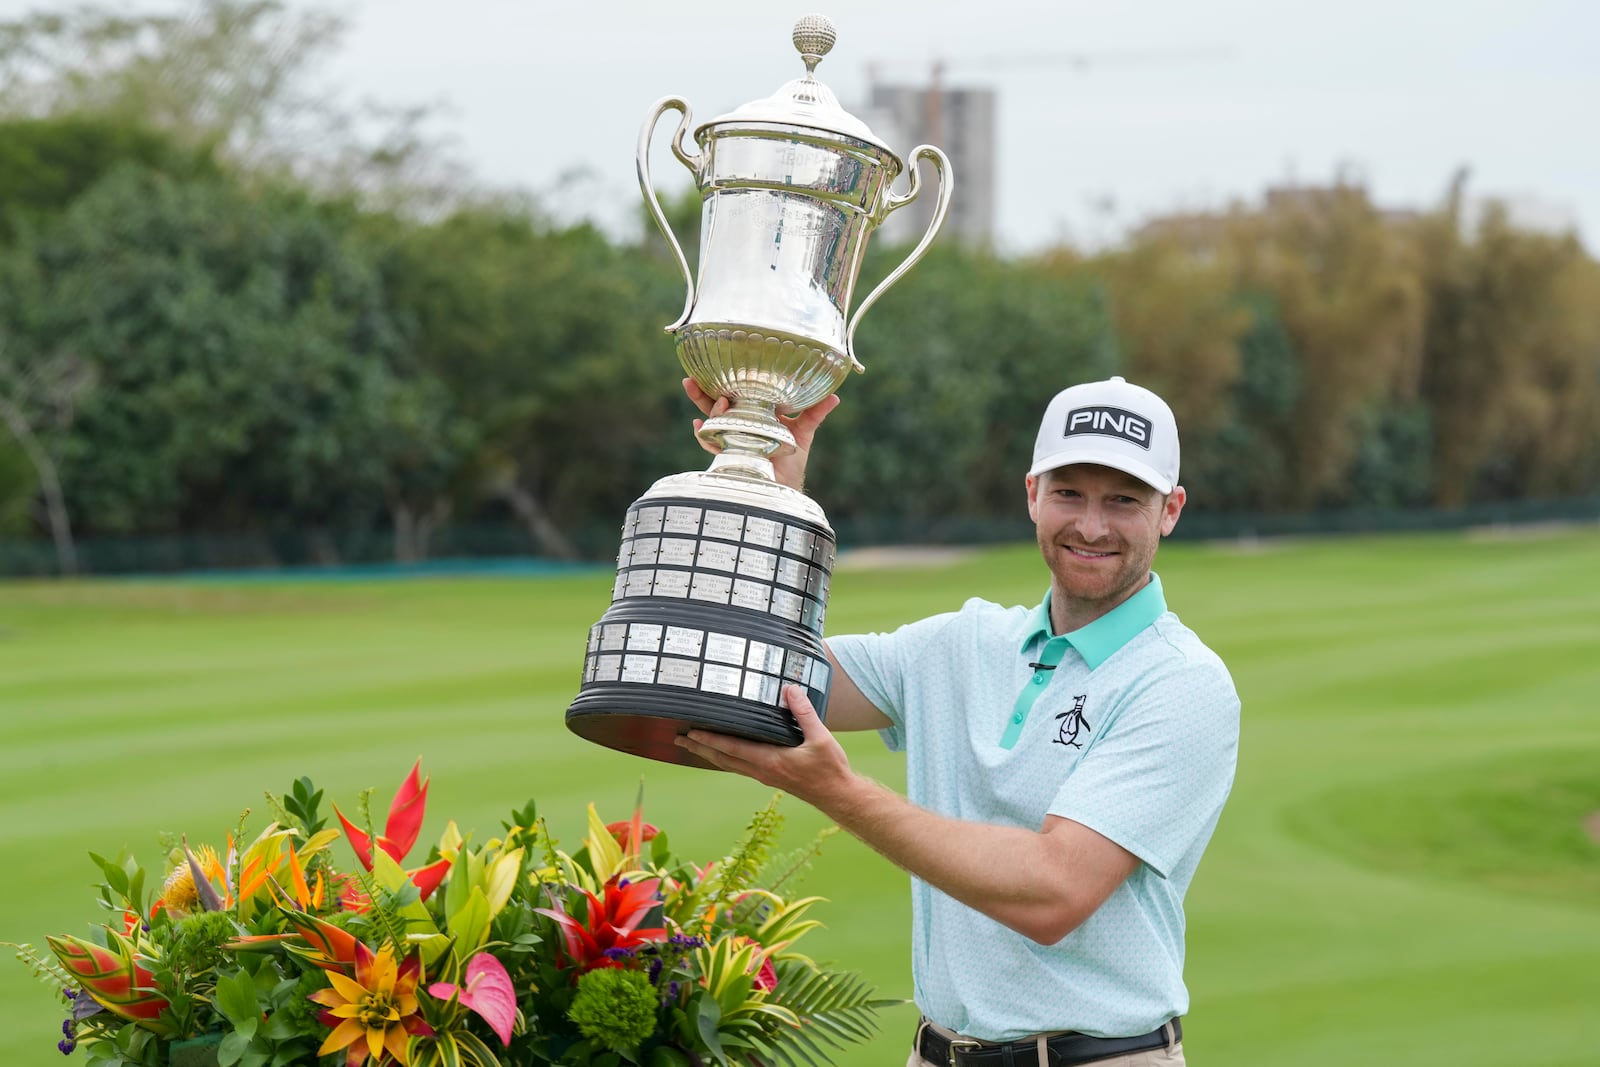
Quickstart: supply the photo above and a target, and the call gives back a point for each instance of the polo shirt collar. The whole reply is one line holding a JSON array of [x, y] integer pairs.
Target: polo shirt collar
[[1100, 640]]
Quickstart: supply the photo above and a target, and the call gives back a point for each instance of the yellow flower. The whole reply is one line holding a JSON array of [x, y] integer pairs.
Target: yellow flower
[[375, 1011], [179, 894]]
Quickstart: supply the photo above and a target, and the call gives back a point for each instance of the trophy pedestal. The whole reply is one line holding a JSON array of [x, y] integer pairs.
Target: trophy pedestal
[[721, 589]]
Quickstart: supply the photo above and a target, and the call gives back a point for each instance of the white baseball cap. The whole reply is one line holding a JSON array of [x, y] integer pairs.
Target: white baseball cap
[[1114, 424]]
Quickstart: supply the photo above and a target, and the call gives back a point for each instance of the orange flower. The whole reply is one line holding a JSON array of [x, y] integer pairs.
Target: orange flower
[[374, 1012]]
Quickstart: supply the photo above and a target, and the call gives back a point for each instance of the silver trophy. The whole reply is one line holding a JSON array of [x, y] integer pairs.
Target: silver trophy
[[722, 576]]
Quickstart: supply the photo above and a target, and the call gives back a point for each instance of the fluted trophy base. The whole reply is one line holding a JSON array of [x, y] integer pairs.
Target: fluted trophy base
[[722, 585]]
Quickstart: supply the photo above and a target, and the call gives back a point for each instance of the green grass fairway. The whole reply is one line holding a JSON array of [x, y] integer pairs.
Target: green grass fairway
[[1402, 874]]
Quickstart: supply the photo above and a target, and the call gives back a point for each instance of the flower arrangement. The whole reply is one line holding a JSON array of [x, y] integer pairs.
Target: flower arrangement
[[508, 952]]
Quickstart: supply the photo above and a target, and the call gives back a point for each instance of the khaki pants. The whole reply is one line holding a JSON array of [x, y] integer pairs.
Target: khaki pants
[[1154, 1057]]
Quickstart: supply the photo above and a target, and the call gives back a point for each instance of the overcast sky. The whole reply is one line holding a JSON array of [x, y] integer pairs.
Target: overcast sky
[[1398, 93]]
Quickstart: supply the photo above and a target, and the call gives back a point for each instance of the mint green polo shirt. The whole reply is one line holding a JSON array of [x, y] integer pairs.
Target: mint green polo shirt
[[1129, 726]]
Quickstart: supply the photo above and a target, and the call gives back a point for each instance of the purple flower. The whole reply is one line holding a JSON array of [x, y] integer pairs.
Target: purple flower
[[655, 970], [66, 1027], [66, 1045], [619, 953]]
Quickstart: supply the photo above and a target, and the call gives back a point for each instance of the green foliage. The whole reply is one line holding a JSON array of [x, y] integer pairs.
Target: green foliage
[[47, 971], [790, 867], [738, 872], [195, 942], [251, 374], [616, 1008], [19, 483], [842, 1010], [301, 804], [46, 164]]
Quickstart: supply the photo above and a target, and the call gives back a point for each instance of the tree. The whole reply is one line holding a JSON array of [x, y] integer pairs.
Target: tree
[[1512, 369], [45, 164], [1243, 463], [252, 372], [30, 399], [550, 340], [234, 79], [1347, 291]]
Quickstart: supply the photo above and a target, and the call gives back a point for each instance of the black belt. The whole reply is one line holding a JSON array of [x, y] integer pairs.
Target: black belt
[[1064, 1049]]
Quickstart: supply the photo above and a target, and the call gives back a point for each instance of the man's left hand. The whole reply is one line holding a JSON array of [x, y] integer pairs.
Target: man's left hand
[[815, 771]]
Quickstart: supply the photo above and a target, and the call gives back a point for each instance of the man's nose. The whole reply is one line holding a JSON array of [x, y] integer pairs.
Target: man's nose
[[1092, 522]]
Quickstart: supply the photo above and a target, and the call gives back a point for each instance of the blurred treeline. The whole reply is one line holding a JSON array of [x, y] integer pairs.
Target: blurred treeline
[[231, 306]]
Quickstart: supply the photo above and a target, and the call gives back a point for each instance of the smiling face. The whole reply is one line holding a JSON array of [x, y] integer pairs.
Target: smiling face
[[1098, 529]]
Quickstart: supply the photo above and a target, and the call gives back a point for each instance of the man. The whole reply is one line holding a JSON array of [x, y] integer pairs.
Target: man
[[1066, 765]]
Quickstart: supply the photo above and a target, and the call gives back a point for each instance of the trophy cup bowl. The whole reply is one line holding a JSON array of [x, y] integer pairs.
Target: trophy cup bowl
[[722, 574]]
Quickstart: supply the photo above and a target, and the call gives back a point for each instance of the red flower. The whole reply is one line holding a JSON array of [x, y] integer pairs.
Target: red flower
[[767, 976], [621, 831], [400, 832], [613, 922]]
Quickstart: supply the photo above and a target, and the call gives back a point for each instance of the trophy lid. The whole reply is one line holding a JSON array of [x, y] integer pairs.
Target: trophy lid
[[804, 101]]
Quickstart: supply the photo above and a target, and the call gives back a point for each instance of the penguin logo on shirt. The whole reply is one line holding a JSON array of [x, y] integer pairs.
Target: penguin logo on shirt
[[1073, 723]]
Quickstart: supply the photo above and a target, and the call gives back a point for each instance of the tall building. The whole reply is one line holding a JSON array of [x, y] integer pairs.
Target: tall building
[[962, 123]]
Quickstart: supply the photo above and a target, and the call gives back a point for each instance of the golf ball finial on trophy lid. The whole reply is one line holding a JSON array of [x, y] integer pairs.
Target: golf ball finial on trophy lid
[[722, 575]]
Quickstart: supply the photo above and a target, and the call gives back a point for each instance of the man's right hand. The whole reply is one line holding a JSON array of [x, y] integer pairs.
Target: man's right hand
[[790, 470]]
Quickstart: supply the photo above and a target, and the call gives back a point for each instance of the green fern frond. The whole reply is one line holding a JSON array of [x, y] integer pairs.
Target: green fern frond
[[552, 855], [382, 915], [738, 872], [280, 813], [794, 864], [44, 970]]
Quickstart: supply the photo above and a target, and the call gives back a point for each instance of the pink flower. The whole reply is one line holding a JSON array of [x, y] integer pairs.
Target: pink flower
[[488, 992]]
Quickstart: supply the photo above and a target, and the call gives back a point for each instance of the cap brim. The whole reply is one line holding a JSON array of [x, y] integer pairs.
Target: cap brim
[[1115, 460]]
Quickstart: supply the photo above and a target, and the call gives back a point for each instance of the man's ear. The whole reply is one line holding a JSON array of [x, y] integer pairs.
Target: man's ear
[[1032, 482], [1172, 509]]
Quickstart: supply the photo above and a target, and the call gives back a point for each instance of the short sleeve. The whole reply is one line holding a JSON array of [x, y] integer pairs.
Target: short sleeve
[[879, 665], [1155, 777]]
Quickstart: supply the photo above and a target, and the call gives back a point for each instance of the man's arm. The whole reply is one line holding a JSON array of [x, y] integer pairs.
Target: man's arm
[[848, 706], [1042, 883]]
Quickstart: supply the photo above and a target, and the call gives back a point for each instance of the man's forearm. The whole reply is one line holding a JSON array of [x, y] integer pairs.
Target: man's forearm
[[1042, 885]]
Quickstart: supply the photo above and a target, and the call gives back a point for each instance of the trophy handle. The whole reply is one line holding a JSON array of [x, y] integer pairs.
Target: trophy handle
[[941, 207], [680, 105]]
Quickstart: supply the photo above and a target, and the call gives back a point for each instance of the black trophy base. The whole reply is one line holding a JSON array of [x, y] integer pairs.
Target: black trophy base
[[643, 720], [718, 604]]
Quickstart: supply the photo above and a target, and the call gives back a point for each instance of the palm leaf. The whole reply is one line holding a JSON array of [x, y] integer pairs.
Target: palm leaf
[[837, 1009]]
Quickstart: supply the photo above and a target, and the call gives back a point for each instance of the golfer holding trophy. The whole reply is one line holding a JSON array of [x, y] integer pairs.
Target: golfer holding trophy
[[1066, 764]]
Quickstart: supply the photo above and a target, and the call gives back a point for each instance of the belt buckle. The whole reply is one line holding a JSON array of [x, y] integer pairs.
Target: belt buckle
[[961, 1044]]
